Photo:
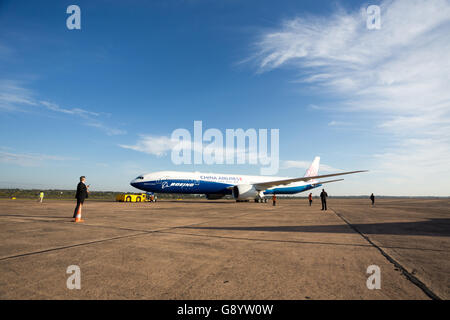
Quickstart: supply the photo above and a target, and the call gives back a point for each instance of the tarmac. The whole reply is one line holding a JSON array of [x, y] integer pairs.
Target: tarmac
[[226, 250]]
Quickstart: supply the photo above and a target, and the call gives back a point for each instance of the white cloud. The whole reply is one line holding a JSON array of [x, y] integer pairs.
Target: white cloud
[[14, 97], [156, 145], [29, 159], [399, 73], [162, 145], [110, 131], [89, 116], [335, 123], [75, 111]]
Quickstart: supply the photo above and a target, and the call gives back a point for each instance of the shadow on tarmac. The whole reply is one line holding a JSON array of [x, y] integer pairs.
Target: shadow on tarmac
[[430, 227]]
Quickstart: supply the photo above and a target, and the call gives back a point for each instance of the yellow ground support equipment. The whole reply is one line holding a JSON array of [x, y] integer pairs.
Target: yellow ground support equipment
[[131, 197]]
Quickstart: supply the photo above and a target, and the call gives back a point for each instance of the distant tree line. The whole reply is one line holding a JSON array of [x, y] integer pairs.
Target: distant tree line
[[70, 194], [111, 195]]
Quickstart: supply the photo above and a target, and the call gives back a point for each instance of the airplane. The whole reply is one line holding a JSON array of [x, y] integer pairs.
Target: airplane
[[241, 187]]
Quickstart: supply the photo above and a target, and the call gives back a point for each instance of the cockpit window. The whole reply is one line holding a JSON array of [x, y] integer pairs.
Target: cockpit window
[[140, 178]]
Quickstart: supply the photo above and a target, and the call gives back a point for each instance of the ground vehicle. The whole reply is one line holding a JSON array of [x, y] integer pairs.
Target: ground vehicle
[[132, 197]]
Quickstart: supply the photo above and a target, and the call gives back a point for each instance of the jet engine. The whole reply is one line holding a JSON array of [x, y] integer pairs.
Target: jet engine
[[245, 192]]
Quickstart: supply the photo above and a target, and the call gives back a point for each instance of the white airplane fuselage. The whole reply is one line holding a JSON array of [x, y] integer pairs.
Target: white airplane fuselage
[[214, 184]]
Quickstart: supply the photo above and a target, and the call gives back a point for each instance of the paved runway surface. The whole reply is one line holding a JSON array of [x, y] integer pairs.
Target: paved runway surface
[[226, 250]]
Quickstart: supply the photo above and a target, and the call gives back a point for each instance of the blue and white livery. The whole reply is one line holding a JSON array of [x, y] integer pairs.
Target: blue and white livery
[[242, 187]]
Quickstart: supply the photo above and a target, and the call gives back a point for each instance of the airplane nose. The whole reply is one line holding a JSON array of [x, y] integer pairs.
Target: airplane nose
[[137, 181]]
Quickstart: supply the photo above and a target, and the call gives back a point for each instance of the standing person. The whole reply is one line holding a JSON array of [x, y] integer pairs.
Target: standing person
[[372, 197], [41, 197], [310, 199], [323, 197], [274, 199], [81, 195]]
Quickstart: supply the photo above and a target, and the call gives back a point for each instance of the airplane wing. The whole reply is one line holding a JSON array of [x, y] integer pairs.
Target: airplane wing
[[322, 182], [267, 185]]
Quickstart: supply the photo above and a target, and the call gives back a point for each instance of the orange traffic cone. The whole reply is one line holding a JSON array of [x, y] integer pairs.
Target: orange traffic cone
[[78, 216]]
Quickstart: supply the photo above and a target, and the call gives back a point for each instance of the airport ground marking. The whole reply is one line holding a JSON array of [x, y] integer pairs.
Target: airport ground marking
[[144, 232], [69, 246], [405, 272]]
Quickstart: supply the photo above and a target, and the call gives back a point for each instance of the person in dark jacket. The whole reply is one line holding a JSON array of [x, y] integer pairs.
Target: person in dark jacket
[[372, 197], [81, 195], [323, 197]]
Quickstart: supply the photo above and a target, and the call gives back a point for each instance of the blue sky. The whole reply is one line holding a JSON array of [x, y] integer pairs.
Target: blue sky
[[361, 99]]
